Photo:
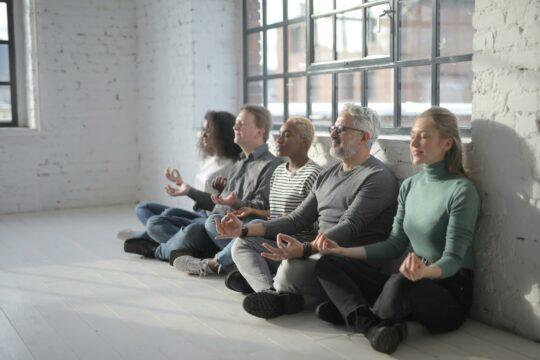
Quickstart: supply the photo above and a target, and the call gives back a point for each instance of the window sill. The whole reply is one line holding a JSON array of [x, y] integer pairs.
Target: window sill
[[391, 137], [18, 131]]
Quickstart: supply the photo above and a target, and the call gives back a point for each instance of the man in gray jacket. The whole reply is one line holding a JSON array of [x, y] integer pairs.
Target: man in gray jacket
[[248, 184], [354, 202]]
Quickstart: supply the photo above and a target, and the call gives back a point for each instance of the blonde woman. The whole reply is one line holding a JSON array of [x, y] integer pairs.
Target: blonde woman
[[436, 215]]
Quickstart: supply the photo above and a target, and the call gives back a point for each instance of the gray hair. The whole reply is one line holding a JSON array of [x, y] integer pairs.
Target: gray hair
[[365, 119]]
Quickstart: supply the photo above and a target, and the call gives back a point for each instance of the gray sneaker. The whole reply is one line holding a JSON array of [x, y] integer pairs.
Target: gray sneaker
[[193, 266]]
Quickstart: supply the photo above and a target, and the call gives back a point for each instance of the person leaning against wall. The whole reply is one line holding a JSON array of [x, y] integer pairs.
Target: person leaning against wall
[[291, 182], [219, 152], [436, 215], [353, 201]]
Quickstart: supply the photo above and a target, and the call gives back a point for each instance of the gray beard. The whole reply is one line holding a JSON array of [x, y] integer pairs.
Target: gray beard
[[343, 152]]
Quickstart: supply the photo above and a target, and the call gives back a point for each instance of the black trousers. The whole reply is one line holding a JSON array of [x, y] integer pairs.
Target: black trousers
[[351, 284]]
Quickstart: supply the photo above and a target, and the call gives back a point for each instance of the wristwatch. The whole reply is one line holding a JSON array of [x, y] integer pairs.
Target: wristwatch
[[244, 232]]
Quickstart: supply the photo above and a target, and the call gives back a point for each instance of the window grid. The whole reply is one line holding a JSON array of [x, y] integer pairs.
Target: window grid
[[334, 67], [12, 73]]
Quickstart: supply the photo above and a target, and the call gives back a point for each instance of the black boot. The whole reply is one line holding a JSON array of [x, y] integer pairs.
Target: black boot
[[270, 304], [142, 247], [328, 312], [236, 282], [386, 335]]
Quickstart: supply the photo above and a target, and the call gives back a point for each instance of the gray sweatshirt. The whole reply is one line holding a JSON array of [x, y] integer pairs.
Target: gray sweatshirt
[[353, 208]]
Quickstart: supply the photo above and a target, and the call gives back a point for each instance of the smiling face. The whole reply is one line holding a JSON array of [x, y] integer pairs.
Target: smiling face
[[427, 146], [289, 141]]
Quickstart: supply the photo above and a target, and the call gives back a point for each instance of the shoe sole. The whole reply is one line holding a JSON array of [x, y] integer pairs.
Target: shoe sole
[[385, 339], [263, 305], [178, 267], [178, 254]]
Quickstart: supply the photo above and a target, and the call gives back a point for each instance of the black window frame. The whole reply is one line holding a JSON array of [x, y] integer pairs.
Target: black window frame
[[12, 83], [342, 66]]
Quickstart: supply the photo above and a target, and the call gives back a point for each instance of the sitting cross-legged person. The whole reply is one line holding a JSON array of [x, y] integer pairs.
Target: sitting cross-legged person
[[289, 185], [353, 201], [248, 185], [436, 215], [219, 152]]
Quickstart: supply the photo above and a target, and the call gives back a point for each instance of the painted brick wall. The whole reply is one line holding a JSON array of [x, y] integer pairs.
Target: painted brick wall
[[189, 60], [85, 152], [505, 163]]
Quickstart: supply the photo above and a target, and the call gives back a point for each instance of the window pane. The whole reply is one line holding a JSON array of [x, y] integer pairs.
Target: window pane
[[4, 34], [274, 11], [378, 32], [4, 63], [415, 29], [415, 92], [321, 100], [254, 13], [345, 4], [323, 39], [255, 63], [349, 35], [275, 100], [456, 27], [380, 95], [349, 88], [255, 93], [296, 8], [297, 47], [322, 6], [274, 48], [456, 92], [297, 96], [5, 104]]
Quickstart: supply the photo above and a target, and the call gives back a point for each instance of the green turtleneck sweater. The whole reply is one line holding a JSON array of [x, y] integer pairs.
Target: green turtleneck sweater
[[437, 212]]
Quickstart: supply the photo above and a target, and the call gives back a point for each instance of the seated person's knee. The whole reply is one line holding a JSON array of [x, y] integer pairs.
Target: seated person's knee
[[393, 302], [289, 276], [210, 223], [141, 205]]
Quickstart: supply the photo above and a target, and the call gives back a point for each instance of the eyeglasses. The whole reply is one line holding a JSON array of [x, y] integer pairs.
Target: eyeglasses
[[340, 128]]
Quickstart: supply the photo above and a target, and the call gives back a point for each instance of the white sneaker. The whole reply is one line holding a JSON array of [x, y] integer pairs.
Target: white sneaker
[[126, 234], [193, 266]]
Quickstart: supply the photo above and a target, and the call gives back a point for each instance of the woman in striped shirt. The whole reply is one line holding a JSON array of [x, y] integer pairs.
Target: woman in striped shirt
[[289, 186]]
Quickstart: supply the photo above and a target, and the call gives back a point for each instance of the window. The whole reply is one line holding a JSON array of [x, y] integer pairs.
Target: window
[[8, 87], [399, 57]]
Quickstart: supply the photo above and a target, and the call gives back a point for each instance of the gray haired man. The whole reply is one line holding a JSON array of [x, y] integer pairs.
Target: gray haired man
[[354, 202]]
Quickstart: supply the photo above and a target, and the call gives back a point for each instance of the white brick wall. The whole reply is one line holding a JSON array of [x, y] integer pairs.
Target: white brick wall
[[85, 153], [505, 163], [189, 61]]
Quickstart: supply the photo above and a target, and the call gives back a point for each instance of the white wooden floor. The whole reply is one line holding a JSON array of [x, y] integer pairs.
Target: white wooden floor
[[68, 291]]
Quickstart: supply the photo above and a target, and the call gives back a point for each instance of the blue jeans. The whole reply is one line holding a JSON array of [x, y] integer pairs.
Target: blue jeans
[[191, 238], [223, 257], [162, 222]]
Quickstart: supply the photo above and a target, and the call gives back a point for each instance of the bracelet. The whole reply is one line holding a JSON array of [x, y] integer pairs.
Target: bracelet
[[306, 250], [244, 232]]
